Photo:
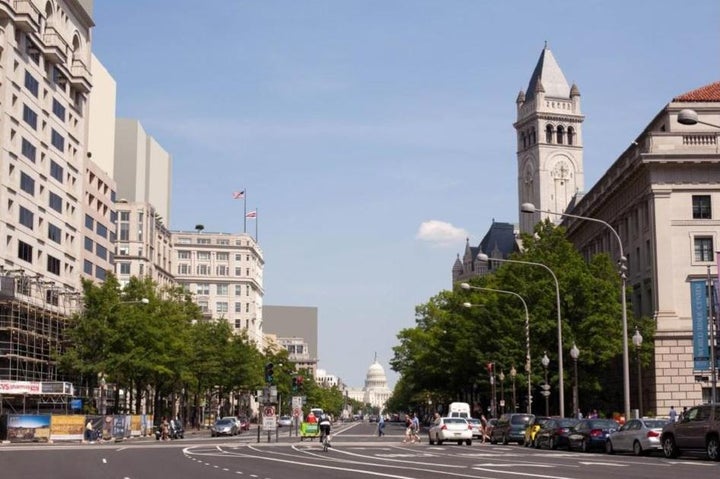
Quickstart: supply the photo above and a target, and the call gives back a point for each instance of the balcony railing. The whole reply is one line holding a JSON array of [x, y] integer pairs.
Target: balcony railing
[[56, 49], [27, 16], [80, 75]]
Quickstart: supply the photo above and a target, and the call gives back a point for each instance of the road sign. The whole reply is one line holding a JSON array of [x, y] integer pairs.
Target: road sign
[[545, 387], [545, 393], [269, 423], [269, 411], [297, 412]]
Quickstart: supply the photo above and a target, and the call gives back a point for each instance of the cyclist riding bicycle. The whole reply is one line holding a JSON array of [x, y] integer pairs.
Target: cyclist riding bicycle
[[324, 426]]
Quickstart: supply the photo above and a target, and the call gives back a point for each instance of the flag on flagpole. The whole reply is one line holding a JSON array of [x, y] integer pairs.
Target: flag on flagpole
[[238, 195], [251, 214]]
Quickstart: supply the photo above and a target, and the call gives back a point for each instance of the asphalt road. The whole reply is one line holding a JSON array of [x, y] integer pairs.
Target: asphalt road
[[357, 452]]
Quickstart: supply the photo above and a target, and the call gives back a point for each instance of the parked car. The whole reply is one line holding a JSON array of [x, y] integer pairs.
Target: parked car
[[477, 429], [175, 430], [236, 420], [450, 429], [511, 427], [640, 436], [698, 429], [224, 427], [284, 421], [532, 429], [589, 434], [554, 433], [490, 426]]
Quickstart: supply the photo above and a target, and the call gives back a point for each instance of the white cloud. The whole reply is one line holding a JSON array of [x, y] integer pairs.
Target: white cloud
[[440, 233]]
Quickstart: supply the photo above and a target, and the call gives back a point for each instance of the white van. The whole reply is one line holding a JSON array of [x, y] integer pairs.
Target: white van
[[459, 409]]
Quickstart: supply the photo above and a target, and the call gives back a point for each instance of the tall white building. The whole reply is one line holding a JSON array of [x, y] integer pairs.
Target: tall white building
[[375, 391], [225, 274], [46, 180]]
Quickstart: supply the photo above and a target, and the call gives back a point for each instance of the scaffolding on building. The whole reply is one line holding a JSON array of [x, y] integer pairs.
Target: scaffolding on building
[[33, 317]]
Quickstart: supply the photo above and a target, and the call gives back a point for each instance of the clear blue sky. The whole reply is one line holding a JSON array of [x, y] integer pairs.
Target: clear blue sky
[[354, 123]]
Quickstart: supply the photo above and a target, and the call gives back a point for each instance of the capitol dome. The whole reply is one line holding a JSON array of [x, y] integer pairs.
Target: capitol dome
[[375, 376]]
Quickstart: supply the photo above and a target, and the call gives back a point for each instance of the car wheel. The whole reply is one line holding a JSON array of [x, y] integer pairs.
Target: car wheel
[[637, 448], [504, 440], [469, 442], [609, 447], [536, 443], [430, 440], [670, 449], [493, 440], [439, 442], [713, 448], [584, 446], [459, 443]]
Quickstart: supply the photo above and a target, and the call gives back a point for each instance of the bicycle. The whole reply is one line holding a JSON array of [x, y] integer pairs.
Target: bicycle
[[325, 442]]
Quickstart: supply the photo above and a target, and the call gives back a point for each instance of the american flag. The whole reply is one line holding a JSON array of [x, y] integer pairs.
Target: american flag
[[238, 195], [251, 214]]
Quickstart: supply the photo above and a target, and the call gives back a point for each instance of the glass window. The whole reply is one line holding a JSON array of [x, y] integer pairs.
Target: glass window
[[222, 256], [703, 248], [701, 208], [101, 251], [101, 230], [27, 183], [32, 84], [184, 254], [202, 288], [221, 307], [57, 140], [222, 270], [55, 202], [89, 244], [25, 251], [222, 289], [54, 233], [28, 150], [124, 268], [238, 289], [100, 273], [53, 265], [58, 109], [124, 232], [124, 216], [30, 117], [238, 307], [88, 267], [27, 218], [56, 171], [89, 222], [203, 256]]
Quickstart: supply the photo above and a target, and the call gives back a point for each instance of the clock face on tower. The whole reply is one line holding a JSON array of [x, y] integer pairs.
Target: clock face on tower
[[561, 171]]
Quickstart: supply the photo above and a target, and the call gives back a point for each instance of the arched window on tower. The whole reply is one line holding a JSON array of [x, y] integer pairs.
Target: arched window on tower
[[571, 135], [548, 134], [560, 134], [523, 140], [533, 138]]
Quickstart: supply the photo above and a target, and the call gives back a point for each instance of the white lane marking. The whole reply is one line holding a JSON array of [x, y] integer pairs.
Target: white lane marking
[[589, 463]]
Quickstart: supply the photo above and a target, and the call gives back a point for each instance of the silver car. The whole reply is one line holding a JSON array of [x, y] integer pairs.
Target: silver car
[[640, 436], [455, 429]]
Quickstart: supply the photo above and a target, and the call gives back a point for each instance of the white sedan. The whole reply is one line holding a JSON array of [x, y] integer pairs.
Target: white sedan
[[641, 436], [455, 429]]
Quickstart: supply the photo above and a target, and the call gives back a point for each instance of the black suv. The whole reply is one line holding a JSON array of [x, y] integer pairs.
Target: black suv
[[698, 429], [511, 427]]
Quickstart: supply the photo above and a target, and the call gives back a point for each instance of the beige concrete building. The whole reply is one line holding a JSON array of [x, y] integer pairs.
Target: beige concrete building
[[45, 49], [662, 196], [225, 274]]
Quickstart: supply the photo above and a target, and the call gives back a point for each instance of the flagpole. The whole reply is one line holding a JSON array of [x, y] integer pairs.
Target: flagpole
[[245, 210], [256, 225]]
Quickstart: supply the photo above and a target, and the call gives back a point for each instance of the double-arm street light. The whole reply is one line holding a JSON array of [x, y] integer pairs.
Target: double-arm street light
[[483, 257], [528, 364], [530, 208]]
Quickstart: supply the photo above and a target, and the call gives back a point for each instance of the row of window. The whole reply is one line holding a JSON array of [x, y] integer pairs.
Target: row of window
[[31, 118], [98, 227], [222, 307], [218, 241], [207, 255], [221, 289], [185, 269], [25, 253]]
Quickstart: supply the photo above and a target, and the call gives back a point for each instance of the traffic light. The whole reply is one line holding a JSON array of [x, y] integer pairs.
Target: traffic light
[[295, 383], [269, 373]]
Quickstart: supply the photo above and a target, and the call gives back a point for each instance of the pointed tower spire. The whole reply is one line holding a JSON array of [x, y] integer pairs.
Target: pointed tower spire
[[548, 74]]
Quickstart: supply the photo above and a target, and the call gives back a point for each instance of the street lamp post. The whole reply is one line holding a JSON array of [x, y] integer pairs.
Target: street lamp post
[[513, 373], [528, 364], [561, 386], [530, 208], [502, 391], [574, 354], [637, 341], [546, 387]]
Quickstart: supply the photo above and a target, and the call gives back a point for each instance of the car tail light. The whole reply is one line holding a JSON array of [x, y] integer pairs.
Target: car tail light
[[597, 433], [443, 427], [653, 434], [470, 427]]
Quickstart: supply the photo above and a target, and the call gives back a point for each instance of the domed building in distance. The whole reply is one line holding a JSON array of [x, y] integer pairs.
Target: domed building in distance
[[376, 391]]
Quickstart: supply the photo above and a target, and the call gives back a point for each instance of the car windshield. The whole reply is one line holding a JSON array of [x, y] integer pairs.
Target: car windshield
[[474, 420], [656, 423], [520, 419], [603, 424], [567, 422], [223, 422], [453, 420]]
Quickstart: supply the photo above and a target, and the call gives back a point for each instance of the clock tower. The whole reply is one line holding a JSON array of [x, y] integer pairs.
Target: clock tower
[[549, 143]]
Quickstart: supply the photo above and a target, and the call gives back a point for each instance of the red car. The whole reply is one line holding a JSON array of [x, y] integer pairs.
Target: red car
[[244, 423]]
